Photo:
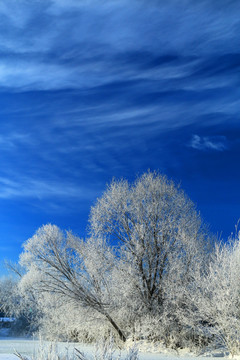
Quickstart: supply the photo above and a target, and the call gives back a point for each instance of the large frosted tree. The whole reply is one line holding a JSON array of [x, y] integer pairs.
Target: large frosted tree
[[157, 231], [145, 241]]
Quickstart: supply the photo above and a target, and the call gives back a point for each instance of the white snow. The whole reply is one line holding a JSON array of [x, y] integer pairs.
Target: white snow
[[29, 346]]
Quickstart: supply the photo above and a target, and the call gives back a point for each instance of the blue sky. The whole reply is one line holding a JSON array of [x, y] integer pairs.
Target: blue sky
[[91, 90]]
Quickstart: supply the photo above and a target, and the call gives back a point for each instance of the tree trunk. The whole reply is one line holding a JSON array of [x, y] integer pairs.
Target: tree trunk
[[119, 331]]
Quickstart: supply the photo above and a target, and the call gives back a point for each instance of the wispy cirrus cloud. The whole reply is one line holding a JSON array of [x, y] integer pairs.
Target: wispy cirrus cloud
[[209, 143], [27, 187], [110, 76], [78, 44]]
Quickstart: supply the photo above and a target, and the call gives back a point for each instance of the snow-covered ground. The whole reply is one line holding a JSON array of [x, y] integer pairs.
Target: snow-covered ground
[[28, 347]]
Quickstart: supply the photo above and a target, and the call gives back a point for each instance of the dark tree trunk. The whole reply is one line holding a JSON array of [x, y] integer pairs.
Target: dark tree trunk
[[119, 331]]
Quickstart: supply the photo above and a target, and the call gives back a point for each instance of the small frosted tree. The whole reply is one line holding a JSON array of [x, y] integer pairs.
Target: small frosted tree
[[8, 296], [21, 306], [77, 270], [216, 296]]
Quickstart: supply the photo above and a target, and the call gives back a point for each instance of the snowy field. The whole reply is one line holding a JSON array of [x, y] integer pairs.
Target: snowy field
[[28, 347]]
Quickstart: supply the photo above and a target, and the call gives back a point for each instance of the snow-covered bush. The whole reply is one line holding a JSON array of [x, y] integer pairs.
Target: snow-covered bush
[[65, 321]]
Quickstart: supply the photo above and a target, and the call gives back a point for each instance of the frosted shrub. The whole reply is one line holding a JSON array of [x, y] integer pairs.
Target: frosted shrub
[[64, 321]]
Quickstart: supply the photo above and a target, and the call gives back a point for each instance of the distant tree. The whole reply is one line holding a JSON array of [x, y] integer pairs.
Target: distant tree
[[7, 286], [22, 306]]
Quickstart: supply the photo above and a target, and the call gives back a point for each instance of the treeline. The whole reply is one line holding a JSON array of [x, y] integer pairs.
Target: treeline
[[149, 270]]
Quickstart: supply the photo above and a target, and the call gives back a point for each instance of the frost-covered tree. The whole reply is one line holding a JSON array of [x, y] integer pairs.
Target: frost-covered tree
[[7, 286], [215, 297], [159, 236], [131, 274], [21, 305], [79, 271]]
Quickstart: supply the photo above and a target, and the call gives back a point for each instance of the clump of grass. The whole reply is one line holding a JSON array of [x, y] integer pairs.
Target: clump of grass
[[49, 352], [104, 350]]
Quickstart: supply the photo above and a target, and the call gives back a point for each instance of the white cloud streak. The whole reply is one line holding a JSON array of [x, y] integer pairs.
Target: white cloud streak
[[94, 33], [40, 189], [209, 143]]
